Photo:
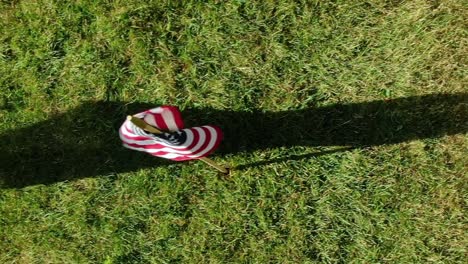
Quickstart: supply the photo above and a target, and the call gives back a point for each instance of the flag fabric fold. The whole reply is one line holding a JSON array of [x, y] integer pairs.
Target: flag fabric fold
[[176, 142]]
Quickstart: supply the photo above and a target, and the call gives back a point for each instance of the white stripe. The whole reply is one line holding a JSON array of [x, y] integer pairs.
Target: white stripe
[[170, 156], [167, 155], [156, 110], [149, 118], [169, 119]]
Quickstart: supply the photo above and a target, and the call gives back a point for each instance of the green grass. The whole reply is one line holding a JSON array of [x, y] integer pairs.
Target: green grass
[[292, 84]]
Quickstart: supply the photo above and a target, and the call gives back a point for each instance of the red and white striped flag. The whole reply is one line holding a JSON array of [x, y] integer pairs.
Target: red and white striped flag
[[175, 143]]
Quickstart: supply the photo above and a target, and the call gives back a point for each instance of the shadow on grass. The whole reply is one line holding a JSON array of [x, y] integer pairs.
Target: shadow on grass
[[84, 141]]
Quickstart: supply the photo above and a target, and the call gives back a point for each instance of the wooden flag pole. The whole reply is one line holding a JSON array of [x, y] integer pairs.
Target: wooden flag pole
[[145, 126]]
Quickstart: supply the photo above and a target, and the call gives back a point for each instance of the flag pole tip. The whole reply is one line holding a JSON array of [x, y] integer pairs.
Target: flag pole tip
[[129, 117]]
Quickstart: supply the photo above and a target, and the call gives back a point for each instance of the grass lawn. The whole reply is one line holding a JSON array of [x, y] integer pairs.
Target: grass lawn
[[345, 127]]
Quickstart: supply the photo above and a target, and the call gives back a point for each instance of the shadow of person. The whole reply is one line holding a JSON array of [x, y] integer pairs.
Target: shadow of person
[[84, 142]]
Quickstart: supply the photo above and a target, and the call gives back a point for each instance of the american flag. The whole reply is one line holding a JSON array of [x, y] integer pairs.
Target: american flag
[[176, 142]]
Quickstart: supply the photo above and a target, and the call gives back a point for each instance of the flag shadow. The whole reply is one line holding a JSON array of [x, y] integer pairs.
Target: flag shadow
[[84, 142]]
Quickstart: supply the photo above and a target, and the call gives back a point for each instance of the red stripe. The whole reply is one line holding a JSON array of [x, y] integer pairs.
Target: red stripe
[[157, 153], [159, 121], [147, 146], [182, 158]]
